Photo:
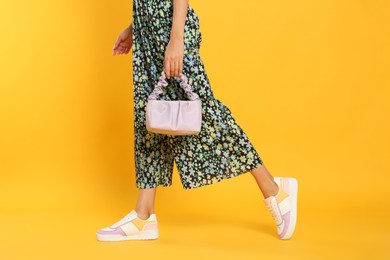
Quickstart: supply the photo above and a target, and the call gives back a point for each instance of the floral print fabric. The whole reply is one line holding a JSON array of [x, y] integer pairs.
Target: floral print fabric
[[222, 149]]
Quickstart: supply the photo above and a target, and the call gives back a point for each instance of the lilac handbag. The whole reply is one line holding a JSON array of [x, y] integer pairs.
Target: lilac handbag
[[174, 117]]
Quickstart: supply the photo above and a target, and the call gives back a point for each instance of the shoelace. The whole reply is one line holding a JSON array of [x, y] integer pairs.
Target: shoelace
[[125, 219], [274, 209]]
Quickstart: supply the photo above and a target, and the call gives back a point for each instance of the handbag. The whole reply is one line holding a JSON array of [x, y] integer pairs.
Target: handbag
[[174, 117]]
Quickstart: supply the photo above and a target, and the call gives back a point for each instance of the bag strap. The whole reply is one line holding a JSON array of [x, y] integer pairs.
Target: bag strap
[[162, 83]]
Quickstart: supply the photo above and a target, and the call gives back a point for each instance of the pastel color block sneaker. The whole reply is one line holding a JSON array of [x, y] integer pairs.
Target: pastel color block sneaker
[[130, 227], [283, 206]]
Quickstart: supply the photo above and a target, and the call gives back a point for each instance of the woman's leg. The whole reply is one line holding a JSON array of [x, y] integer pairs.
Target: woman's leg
[[265, 181], [280, 198], [145, 202]]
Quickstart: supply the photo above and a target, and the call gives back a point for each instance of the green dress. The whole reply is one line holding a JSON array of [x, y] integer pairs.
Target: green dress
[[222, 149]]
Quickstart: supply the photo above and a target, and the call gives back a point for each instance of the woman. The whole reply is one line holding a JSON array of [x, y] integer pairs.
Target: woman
[[165, 35]]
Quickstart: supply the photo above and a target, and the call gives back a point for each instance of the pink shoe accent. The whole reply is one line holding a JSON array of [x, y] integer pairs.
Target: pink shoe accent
[[286, 185], [150, 226]]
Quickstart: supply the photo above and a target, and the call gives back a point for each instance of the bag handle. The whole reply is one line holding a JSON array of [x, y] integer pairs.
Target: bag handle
[[162, 83]]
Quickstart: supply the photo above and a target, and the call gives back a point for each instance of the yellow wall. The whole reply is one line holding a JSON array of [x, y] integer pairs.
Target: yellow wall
[[309, 83]]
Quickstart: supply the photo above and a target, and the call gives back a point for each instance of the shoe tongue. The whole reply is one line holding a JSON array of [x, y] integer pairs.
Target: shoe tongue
[[268, 199], [125, 219]]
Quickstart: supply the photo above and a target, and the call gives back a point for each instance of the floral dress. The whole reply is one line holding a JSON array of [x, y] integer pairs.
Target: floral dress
[[221, 149]]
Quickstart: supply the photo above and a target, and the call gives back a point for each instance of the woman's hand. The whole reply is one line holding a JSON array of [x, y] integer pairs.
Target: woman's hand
[[174, 55], [124, 41]]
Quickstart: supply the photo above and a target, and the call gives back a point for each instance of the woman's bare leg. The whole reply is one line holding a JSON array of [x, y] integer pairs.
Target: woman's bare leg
[[145, 202], [265, 181], [146, 197]]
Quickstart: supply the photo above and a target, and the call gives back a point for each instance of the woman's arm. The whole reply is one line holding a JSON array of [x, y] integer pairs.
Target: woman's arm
[[174, 53]]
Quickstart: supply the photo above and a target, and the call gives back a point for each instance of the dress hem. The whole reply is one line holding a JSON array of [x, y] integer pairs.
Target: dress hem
[[201, 184]]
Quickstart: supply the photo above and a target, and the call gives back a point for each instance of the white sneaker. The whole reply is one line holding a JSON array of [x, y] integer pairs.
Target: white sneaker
[[283, 206], [130, 227]]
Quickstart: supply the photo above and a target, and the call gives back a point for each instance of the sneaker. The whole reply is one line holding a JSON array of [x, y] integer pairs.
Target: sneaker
[[283, 206], [130, 227]]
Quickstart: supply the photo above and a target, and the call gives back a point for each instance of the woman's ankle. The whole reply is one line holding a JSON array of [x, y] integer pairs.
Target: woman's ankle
[[144, 214], [270, 190]]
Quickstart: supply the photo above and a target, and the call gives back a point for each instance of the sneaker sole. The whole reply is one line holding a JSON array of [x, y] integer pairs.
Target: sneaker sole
[[293, 184], [143, 235]]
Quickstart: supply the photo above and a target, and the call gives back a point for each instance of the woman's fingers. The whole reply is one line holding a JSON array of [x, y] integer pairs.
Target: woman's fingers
[[173, 68], [123, 43], [173, 64], [116, 45], [180, 67], [176, 69], [118, 50], [121, 49], [167, 67]]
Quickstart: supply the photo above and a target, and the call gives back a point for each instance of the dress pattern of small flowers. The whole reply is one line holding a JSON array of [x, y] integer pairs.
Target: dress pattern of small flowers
[[222, 149]]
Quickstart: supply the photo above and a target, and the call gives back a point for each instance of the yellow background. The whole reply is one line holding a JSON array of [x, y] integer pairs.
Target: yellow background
[[308, 81]]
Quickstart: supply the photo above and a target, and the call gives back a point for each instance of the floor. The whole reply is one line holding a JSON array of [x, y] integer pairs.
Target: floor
[[186, 233]]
